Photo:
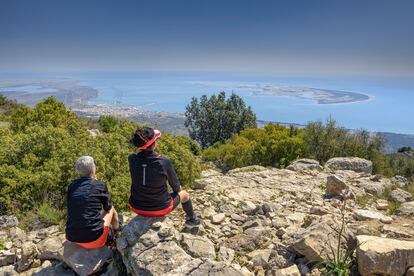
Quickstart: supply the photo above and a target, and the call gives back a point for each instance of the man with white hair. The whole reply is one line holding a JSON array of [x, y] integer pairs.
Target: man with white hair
[[90, 211]]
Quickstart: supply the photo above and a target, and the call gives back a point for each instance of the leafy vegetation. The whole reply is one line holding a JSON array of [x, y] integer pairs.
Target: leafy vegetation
[[38, 151], [274, 145], [216, 119], [48, 214]]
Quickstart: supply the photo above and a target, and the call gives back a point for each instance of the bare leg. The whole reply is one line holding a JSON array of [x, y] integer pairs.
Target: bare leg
[[184, 196], [115, 221], [111, 218]]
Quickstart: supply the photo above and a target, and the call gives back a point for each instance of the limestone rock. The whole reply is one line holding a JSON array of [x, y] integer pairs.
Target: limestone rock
[[210, 173], [57, 270], [198, 246], [260, 257], [7, 257], [51, 248], [218, 218], [84, 261], [8, 271], [289, 271], [315, 241], [399, 180], [215, 269], [248, 207], [406, 209], [361, 214], [400, 195], [382, 256], [335, 186], [202, 183], [253, 168], [396, 232], [350, 163], [225, 254], [381, 204], [8, 221], [28, 257], [304, 165]]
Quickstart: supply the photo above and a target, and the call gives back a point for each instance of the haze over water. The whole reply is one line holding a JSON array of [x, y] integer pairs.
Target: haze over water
[[389, 110]]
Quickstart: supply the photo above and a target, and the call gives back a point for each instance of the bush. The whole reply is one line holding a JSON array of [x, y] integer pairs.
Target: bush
[[216, 119], [37, 156], [107, 123], [273, 145], [48, 214]]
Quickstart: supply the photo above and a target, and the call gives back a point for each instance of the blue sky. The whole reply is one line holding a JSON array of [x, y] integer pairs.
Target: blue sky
[[370, 37]]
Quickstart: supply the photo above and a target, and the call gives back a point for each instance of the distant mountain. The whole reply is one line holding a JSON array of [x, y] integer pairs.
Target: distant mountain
[[394, 141]]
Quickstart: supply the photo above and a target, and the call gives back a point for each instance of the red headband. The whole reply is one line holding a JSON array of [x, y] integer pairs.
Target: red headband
[[157, 134]]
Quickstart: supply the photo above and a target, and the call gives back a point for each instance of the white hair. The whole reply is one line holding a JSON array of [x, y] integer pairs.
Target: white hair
[[84, 166]]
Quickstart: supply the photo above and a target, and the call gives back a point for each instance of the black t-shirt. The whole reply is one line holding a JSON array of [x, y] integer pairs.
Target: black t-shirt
[[149, 175], [85, 199]]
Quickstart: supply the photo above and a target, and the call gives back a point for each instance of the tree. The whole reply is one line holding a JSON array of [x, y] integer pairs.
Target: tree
[[216, 119], [108, 122]]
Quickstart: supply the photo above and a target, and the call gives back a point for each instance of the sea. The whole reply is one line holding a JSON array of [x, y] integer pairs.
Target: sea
[[389, 109]]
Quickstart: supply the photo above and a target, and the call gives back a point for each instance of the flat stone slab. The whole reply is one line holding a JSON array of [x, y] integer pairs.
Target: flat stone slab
[[85, 261]]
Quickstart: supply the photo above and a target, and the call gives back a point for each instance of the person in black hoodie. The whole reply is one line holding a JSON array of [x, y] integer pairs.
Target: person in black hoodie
[[149, 175], [91, 215]]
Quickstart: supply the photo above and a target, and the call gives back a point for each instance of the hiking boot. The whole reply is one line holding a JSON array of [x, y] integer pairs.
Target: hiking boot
[[192, 222]]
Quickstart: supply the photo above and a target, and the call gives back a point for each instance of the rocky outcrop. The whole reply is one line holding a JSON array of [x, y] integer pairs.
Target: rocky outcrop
[[8, 221], [152, 246], [406, 209], [256, 221], [401, 196], [305, 165], [381, 256], [350, 163]]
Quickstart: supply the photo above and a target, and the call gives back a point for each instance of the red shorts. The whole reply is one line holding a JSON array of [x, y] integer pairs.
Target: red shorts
[[174, 202], [98, 243]]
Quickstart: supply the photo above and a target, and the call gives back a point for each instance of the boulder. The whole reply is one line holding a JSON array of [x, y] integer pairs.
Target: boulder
[[399, 180], [288, 271], [336, 186], [28, 257], [260, 257], [51, 248], [315, 242], [8, 221], [361, 214], [57, 270], [381, 204], [382, 256], [218, 218], [8, 271], [350, 163], [84, 261], [7, 257], [406, 209], [225, 254], [305, 165], [198, 246], [401, 196]]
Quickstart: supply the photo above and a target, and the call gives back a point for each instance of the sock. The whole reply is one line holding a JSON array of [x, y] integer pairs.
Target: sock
[[188, 209]]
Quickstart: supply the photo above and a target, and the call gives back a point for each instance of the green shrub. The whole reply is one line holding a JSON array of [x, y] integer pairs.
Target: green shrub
[[274, 145], [48, 214], [2, 245], [38, 152], [107, 123]]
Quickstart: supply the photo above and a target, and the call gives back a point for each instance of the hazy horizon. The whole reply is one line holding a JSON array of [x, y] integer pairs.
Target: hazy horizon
[[321, 38]]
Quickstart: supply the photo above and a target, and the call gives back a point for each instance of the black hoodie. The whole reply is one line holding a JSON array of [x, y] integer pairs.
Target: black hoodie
[[149, 175]]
